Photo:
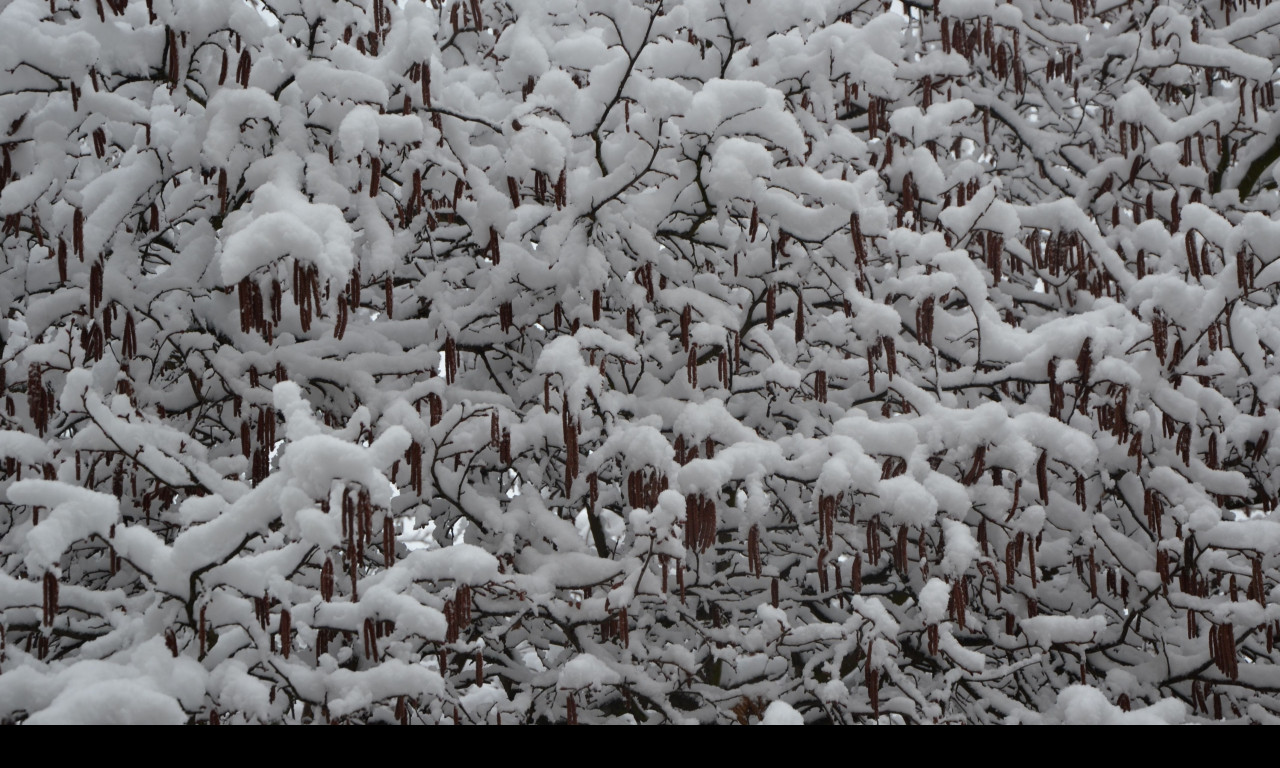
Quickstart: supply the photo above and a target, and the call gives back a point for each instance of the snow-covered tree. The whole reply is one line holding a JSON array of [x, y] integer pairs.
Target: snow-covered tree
[[639, 360]]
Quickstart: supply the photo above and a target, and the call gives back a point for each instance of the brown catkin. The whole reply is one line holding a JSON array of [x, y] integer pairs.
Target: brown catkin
[[799, 318], [286, 633]]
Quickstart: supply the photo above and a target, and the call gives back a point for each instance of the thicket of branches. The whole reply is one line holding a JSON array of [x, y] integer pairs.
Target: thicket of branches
[[601, 360]]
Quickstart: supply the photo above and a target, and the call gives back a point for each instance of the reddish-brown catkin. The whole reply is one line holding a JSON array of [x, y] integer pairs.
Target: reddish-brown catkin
[[286, 633], [389, 541], [50, 598], [326, 580]]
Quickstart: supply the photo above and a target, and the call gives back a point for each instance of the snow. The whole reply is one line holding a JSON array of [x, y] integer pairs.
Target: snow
[[227, 111], [967, 9], [932, 124], [358, 132], [463, 563], [1085, 705], [180, 462], [315, 462], [143, 686], [908, 501], [722, 105], [587, 671], [781, 713], [933, 600], [739, 164], [110, 702], [565, 571], [1047, 630], [968, 659], [320, 79], [241, 691], [27, 449], [962, 548], [634, 447], [285, 224], [73, 514], [351, 691]]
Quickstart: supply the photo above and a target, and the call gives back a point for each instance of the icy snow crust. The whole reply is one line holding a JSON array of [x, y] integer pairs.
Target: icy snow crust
[[611, 361]]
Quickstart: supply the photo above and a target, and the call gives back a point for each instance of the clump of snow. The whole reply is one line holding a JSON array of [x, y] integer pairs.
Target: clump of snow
[[73, 514], [1086, 705], [1044, 631], [587, 671], [933, 600], [781, 713], [284, 224], [110, 702]]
